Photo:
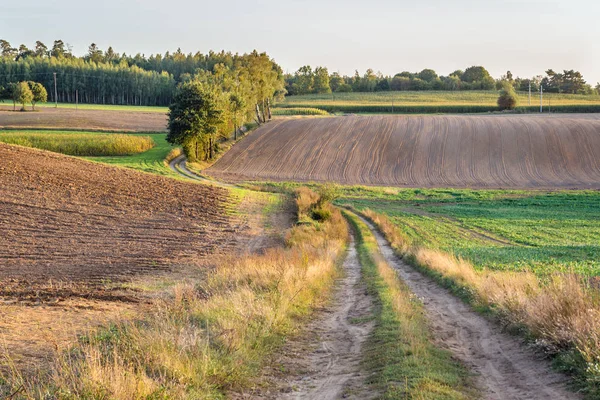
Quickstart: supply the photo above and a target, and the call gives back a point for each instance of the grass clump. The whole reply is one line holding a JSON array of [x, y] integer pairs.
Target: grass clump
[[400, 353], [212, 335], [560, 313], [81, 144]]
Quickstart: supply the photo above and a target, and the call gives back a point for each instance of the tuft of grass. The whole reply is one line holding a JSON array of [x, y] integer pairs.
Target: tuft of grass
[[560, 313], [210, 336], [400, 352], [80, 144]]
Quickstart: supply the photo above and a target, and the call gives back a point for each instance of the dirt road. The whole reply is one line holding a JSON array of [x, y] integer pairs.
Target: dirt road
[[332, 362], [505, 367]]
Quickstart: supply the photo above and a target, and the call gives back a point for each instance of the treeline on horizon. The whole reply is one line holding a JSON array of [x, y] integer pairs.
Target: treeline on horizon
[[108, 77], [319, 81]]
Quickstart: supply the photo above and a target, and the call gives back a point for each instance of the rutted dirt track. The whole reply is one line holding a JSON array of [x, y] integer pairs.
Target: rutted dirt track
[[331, 369], [65, 219], [504, 151], [505, 368]]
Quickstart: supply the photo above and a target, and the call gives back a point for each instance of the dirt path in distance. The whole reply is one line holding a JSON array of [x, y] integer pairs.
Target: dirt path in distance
[[325, 363], [505, 367]]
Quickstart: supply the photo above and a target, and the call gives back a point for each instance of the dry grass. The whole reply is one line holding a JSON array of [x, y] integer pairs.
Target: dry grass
[[210, 336], [173, 154], [562, 314]]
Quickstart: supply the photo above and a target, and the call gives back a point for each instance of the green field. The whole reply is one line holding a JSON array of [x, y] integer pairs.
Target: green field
[[542, 232], [437, 102]]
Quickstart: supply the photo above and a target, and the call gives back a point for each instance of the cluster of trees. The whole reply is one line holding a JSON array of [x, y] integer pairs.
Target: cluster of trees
[[106, 77], [210, 106], [24, 93], [317, 81]]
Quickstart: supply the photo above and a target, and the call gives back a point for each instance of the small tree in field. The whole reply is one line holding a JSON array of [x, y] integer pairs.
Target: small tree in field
[[22, 94], [508, 99], [40, 95]]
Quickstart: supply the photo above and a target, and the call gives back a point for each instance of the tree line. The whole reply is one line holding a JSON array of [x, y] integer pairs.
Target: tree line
[[307, 80], [106, 77]]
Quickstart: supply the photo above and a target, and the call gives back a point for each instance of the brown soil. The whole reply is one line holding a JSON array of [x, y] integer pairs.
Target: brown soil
[[77, 237], [505, 367], [104, 120], [516, 151]]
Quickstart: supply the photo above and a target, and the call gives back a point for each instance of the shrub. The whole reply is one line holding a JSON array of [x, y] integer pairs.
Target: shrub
[[508, 98]]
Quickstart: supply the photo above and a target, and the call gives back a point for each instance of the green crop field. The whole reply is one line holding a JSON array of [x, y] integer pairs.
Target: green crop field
[[438, 102], [541, 232]]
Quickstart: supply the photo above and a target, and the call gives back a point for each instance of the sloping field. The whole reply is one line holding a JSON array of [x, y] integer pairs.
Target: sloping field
[[67, 220], [423, 151], [105, 120]]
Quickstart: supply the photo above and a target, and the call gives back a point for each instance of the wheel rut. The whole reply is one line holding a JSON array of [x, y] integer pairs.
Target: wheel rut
[[504, 367], [331, 363]]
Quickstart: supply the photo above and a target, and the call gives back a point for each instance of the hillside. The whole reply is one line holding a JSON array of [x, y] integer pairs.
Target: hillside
[[65, 219], [495, 151]]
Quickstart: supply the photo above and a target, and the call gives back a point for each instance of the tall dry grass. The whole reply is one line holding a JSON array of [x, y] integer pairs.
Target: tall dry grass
[[562, 313], [210, 336], [81, 144]]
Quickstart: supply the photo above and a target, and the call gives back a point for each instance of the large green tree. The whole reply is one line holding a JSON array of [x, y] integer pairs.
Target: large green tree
[[40, 95], [22, 94], [194, 118]]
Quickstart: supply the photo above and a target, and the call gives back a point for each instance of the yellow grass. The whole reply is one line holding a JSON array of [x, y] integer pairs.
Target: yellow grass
[[212, 335]]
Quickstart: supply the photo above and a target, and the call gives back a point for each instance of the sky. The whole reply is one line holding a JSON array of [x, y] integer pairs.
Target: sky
[[526, 37]]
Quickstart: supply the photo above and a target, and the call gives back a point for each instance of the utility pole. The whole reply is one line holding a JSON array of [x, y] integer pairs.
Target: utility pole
[[530, 92], [392, 106], [55, 93], [541, 98], [76, 99]]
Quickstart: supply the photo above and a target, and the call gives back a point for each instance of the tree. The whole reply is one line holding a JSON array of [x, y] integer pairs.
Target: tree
[[508, 99], [304, 80], [428, 75], [22, 94], [41, 50], [6, 49], [321, 81], [194, 118], [237, 105], [58, 49], [478, 78], [335, 81], [40, 95], [94, 53]]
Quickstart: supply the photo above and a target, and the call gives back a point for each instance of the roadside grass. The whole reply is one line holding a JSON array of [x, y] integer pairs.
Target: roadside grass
[[80, 143], [424, 98], [560, 313], [400, 354], [212, 334]]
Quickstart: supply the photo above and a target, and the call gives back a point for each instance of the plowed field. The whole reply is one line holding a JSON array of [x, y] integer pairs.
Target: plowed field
[[105, 120], [504, 151], [67, 223]]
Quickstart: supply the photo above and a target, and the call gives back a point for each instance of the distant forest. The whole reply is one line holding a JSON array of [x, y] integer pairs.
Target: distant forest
[[108, 77]]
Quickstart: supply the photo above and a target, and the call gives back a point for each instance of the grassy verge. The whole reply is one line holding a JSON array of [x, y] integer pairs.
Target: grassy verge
[[400, 354], [560, 314], [211, 335], [298, 111], [105, 107], [80, 143]]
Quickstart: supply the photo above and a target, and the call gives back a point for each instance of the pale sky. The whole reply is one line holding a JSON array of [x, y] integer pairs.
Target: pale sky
[[525, 36]]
